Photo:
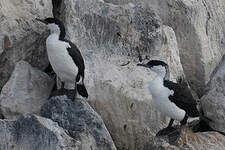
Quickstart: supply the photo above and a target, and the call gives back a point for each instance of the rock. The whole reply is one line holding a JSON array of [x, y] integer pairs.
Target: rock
[[120, 2], [81, 121], [22, 38], [113, 29], [56, 8], [26, 91], [171, 54], [213, 102], [199, 28], [31, 132], [118, 89], [192, 141]]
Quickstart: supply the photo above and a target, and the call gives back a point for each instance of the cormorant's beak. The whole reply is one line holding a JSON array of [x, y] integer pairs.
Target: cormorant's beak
[[143, 65], [41, 21]]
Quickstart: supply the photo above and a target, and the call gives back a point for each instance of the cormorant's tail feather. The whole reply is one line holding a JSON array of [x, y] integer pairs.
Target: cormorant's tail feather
[[81, 89]]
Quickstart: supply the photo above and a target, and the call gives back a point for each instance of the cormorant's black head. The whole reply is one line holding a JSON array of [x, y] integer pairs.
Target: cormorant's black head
[[158, 66], [154, 63], [55, 26]]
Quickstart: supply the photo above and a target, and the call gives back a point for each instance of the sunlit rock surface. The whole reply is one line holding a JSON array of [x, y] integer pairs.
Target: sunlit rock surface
[[22, 37], [26, 91]]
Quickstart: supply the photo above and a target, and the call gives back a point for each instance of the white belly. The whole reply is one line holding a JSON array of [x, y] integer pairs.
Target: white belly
[[160, 98], [60, 60]]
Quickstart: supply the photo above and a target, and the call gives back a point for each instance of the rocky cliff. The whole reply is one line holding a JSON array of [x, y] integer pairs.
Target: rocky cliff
[[113, 36]]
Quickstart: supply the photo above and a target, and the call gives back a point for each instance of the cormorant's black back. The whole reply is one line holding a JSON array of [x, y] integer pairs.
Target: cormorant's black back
[[74, 52], [183, 98]]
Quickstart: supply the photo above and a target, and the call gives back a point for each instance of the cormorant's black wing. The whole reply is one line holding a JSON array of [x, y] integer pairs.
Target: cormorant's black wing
[[74, 52], [183, 98]]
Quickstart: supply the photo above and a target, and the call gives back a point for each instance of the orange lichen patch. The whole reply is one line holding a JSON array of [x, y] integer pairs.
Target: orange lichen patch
[[188, 136]]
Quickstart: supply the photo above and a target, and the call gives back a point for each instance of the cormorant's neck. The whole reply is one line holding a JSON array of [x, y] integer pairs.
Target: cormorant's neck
[[62, 33], [163, 73], [59, 36]]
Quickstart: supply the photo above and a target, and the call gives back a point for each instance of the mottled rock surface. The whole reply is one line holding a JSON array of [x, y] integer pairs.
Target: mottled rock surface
[[81, 121], [112, 38], [119, 93], [199, 27], [127, 30], [22, 38], [32, 132], [26, 91], [214, 101], [191, 141]]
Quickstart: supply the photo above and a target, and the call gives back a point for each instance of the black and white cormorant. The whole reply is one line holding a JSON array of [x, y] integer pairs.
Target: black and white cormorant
[[65, 58], [172, 99]]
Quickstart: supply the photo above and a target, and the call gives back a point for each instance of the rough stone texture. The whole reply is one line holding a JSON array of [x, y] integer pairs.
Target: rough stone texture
[[22, 38], [192, 141], [118, 91], [81, 121], [213, 102], [111, 38], [125, 30], [32, 132], [26, 91], [200, 31], [170, 53]]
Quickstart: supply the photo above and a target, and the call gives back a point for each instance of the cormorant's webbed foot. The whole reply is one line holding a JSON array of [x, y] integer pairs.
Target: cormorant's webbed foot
[[174, 136], [59, 92], [171, 133], [166, 131]]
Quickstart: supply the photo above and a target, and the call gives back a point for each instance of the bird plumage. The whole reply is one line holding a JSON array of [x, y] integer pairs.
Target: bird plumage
[[182, 97], [160, 96], [172, 99], [65, 58]]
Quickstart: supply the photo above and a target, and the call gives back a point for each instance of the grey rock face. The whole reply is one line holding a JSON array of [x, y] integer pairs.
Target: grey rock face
[[119, 92], [214, 101], [34, 133], [192, 141], [118, 89], [199, 27], [26, 91], [125, 30], [81, 121], [22, 38]]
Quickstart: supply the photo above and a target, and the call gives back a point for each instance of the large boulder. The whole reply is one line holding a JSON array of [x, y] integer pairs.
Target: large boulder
[[127, 30], [112, 38], [118, 90], [213, 102], [81, 121], [26, 91], [22, 38], [119, 93], [31, 132], [199, 27]]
